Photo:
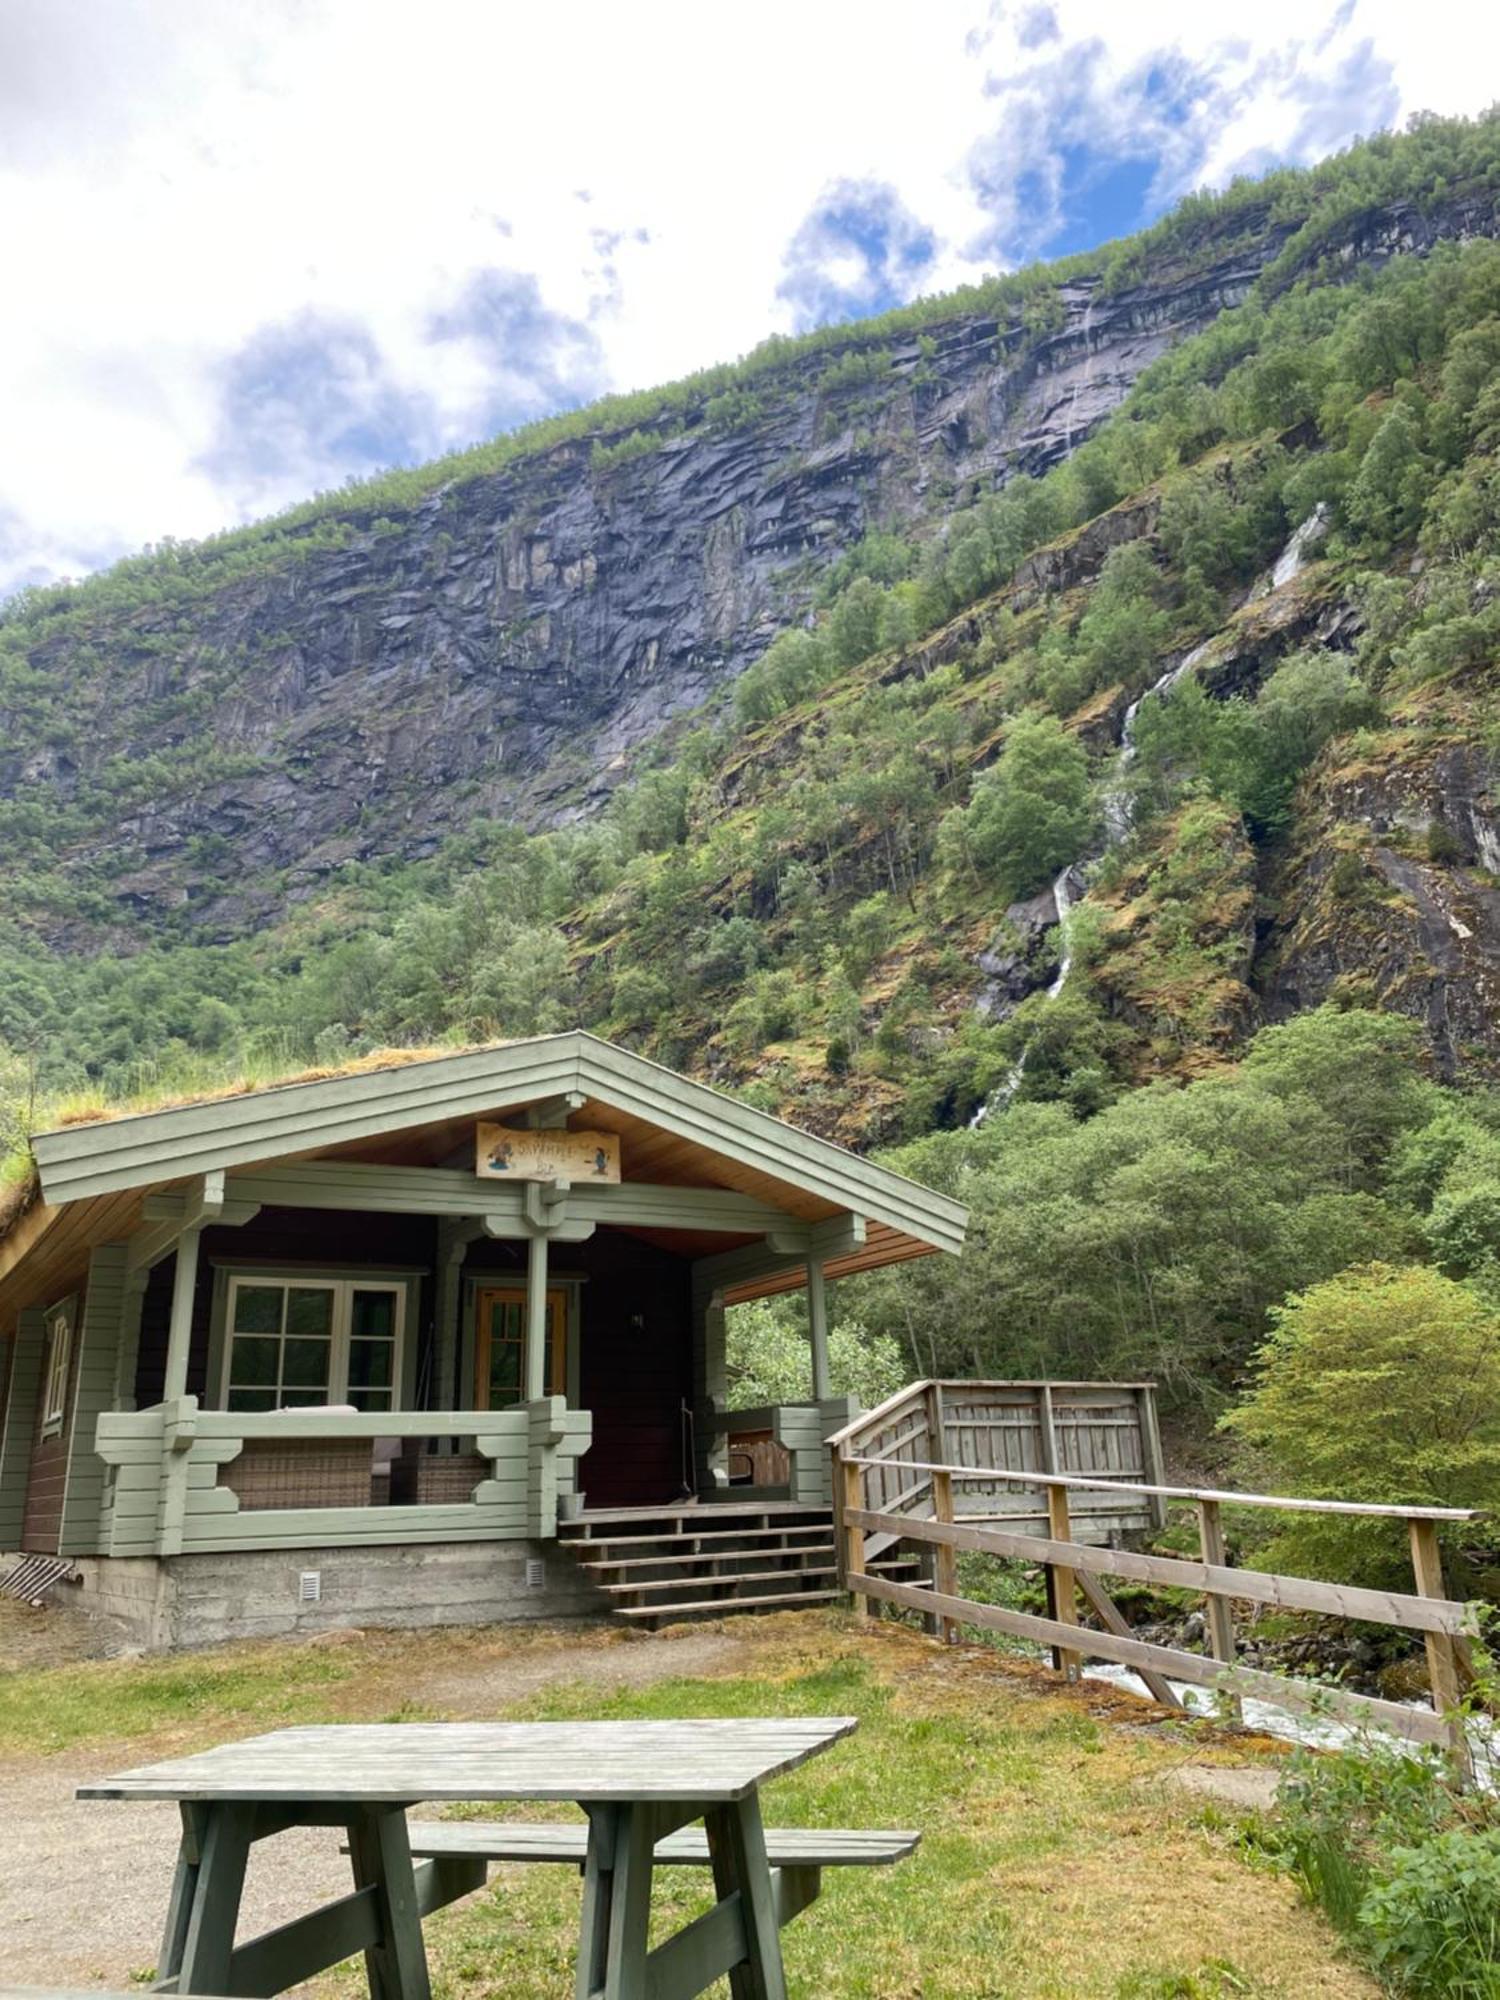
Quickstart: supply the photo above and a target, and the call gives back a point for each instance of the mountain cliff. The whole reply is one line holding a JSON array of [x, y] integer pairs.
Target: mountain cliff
[[773, 720]]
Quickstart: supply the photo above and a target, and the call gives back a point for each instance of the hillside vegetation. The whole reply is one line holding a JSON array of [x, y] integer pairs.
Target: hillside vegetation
[[836, 886]]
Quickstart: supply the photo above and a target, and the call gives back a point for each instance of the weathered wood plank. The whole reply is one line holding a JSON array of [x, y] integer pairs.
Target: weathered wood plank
[[1416, 1725], [1286, 1502], [400, 1763], [1286, 1593], [567, 1841]]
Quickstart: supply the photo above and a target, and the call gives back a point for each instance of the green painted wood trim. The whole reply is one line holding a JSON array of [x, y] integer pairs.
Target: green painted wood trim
[[18, 1421], [451, 1192], [168, 1500], [265, 1125], [97, 1341]]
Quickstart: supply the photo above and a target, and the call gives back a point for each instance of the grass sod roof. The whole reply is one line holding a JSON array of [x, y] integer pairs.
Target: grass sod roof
[[104, 1160]]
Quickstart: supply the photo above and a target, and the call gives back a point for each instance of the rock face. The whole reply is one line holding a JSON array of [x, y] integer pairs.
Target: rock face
[[500, 649], [1391, 898]]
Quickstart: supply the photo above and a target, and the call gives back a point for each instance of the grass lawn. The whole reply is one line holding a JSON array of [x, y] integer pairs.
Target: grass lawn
[[1059, 1858]]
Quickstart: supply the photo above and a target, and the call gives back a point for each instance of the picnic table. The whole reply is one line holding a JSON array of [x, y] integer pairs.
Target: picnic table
[[638, 1782]]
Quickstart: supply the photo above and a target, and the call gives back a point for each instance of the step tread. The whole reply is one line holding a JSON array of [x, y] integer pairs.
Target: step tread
[[704, 1535], [713, 1510], [686, 1582], [788, 1600], [707, 1556]]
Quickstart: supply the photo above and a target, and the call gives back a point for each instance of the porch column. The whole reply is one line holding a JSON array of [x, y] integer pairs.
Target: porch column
[[817, 1323], [536, 1317], [180, 1330]]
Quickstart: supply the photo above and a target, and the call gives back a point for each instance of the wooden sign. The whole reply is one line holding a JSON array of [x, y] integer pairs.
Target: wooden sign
[[507, 1153]]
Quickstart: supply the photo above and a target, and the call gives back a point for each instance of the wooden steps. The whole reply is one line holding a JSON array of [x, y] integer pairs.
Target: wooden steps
[[709, 1559]]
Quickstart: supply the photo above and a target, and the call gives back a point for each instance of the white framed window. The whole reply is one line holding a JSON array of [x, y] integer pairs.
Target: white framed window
[[59, 1354], [295, 1342]]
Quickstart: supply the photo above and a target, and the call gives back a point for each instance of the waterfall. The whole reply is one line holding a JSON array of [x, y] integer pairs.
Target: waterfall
[[1289, 563], [1118, 813], [1118, 807], [1062, 895]]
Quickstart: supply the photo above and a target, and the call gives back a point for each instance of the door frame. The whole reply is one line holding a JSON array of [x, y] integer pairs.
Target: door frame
[[475, 1282]]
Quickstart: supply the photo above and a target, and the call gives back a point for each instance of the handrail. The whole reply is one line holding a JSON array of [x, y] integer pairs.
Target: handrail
[[911, 1392], [1090, 1482]]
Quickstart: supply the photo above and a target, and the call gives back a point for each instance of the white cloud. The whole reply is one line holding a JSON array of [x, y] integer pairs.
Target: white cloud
[[184, 187]]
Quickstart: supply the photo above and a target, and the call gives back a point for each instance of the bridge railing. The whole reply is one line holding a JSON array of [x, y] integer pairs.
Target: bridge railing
[[1073, 1566], [993, 1432]]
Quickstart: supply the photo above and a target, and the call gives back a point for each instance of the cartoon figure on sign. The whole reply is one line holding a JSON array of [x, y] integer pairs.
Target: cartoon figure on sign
[[601, 1161], [502, 1159]]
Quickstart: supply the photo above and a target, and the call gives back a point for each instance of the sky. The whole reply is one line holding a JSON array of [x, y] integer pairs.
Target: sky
[[254, 248]]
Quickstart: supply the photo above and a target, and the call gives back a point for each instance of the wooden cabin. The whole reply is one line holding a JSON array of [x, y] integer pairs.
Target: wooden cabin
[[352, 1350]]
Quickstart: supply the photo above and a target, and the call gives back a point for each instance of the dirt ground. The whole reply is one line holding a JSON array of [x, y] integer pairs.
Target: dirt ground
[[87, 1906]]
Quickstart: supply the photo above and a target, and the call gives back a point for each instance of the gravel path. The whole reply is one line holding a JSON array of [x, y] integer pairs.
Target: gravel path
[[83, 1886]]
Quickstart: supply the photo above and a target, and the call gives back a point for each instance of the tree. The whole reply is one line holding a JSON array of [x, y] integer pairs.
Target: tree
[[1031, 811], [1394, 479], [854, 624], [770, 1360], [1380, 1384]]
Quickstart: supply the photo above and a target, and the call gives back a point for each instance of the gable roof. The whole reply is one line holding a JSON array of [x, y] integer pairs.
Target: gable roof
[[93, 1176]]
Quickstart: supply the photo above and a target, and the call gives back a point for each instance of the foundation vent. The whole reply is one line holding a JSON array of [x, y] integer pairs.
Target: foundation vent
[[310, 1587], [536, 1573]]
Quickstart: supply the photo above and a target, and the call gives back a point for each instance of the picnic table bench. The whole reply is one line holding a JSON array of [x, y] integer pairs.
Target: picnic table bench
[[642, 1786]]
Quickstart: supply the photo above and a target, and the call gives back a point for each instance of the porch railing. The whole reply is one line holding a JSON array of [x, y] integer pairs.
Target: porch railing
[[181, 1479], [782, 1446]]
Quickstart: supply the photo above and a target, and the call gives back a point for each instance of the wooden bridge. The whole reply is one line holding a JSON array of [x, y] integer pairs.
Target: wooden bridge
[[1049, 1474]]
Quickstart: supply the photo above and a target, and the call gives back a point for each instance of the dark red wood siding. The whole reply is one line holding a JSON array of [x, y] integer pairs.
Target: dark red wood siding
[[328, 1240], [636, 1363]]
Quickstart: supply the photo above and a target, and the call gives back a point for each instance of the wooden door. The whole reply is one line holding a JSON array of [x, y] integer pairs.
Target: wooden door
[[500, 1346]]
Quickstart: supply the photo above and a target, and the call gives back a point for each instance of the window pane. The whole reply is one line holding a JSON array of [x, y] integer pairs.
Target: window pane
[[252, 1399], [370, 1399], [505, 1369], [507, 1320], [309, 1312], [257, 1309], [302, 1399], [254, 1361], [306, 1364], [370, 1364], [372, 1315]]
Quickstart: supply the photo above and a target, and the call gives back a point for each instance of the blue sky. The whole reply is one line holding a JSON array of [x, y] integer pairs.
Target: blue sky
[[253, 252]]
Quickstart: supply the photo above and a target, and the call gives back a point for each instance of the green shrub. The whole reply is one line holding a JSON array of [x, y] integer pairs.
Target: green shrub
[[1338, 1816], [1382, 1383], [1433, 1925]]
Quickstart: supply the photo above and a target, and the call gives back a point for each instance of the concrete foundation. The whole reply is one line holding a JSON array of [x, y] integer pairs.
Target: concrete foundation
[[164, 1602]]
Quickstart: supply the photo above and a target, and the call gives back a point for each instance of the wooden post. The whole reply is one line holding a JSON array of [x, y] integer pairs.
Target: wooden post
[[817, 1326], [1064, 1581], [1217, 1614], [1151, 1452], [946, 1554], [1442, 1661], [536, 1317], [852, 1498], [180, 1327]]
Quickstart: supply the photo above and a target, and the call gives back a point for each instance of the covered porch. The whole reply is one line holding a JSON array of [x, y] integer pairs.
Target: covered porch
[[342, 1314]]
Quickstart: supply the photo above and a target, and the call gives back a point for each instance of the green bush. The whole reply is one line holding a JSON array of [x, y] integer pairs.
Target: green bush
[[1433, 1924], [1381, 1384], [1339, 1815]]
